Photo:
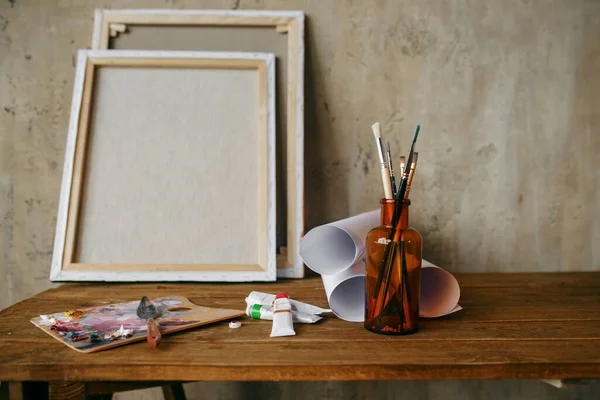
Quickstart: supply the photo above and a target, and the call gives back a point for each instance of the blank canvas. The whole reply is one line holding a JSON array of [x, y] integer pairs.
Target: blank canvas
[[178, 180], [176, 177], [277, 32]]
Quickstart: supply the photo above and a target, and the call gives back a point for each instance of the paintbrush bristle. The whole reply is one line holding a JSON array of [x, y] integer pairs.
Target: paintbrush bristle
[[417, 129], [376, 130]]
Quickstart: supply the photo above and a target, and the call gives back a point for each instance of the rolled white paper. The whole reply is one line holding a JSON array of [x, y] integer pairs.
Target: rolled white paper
[[346, 292], [336, 251], [335, 247], [440, 292]]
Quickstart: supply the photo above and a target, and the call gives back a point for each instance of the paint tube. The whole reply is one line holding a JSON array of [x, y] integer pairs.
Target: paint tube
[[282, 317], [267, 299], [258, 311]]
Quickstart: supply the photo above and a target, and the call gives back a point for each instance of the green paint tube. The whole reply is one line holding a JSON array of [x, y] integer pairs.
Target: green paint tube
[[257, 311]]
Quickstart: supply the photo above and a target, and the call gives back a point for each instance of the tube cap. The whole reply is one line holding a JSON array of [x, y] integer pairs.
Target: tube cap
[[282, 296]]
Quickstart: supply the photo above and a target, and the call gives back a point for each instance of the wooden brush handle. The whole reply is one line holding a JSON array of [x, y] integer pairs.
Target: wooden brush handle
[[154, 336], [387, 183]]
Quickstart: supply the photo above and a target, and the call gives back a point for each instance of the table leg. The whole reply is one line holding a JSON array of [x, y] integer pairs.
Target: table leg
[[15, 390], [174, 392], [27, 390]]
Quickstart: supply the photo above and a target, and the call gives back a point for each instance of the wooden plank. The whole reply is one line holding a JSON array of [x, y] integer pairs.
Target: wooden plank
[[263, 150], [80, 153], [176, 63], [67, 391], [550, 330], [192, 19], [162, 267], [334, 330], [295, 215], [288, 360], [472, 323], [530, 279]]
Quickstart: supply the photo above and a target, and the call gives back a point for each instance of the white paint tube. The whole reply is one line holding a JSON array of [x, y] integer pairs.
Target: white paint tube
[[267, 299], [258, 311], [282, 317]]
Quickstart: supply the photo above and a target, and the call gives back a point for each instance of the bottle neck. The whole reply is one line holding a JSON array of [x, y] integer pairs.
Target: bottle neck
[[389, 207]]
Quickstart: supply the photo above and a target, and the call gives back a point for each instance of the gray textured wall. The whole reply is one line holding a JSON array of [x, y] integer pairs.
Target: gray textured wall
[[507, 92]]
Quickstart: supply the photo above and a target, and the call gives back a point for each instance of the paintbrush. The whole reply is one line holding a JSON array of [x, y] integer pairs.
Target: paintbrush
[[406, 171], [411, 173], [389, 162], [383, 279], [385, 172], [402, 164]]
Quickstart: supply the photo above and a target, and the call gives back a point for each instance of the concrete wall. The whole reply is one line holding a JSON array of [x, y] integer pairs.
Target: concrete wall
[[507, 92]]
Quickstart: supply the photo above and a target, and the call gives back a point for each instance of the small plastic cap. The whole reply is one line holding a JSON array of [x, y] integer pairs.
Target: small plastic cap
[[235, 324], [282, 296]]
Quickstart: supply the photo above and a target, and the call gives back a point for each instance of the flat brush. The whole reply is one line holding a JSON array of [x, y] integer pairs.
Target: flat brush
[[402, 164], [389, 163], [411, 174], [385, 172], [406, 172]]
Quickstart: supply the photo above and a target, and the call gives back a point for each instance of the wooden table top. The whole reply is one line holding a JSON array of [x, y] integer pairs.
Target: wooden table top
[[526, 326]]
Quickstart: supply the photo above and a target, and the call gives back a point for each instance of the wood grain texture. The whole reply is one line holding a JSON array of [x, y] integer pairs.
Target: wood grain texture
[[525, 326], [509, 90], [15, 391], [194, 316], [78, 164], [67, 391]]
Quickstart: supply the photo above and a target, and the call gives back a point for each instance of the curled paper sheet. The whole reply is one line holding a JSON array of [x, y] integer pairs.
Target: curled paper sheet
[[336, 251], [439, 292], [335, 247], [346, 292]]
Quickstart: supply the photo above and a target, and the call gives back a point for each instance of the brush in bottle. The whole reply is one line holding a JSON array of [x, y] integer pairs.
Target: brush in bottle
[[385, 172], [389, 163], [383, 279]]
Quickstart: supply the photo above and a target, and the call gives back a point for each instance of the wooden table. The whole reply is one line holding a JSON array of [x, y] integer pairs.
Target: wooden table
[[517, 326]]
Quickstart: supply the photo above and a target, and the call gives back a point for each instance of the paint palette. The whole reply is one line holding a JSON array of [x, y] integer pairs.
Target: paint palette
[[99, 328]]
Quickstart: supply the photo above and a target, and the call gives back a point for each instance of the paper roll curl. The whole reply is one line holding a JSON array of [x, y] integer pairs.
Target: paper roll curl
[[335, 247], [336, 252], [346, 292], [440, 292]]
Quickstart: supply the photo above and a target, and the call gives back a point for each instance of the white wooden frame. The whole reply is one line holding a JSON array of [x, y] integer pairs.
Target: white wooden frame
[[64, 263], [109, 23]]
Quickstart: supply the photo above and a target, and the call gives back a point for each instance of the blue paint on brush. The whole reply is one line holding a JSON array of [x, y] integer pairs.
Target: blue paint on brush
[[417, 129]]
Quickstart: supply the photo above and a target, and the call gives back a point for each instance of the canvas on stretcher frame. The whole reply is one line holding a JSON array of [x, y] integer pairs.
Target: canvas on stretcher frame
[[169, 170], [278, 32]]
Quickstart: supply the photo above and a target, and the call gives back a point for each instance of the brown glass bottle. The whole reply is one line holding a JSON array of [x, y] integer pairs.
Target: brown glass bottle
[[393, 280]]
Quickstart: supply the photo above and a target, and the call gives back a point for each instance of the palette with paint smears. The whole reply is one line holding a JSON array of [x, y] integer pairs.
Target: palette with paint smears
[[103, 327]]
